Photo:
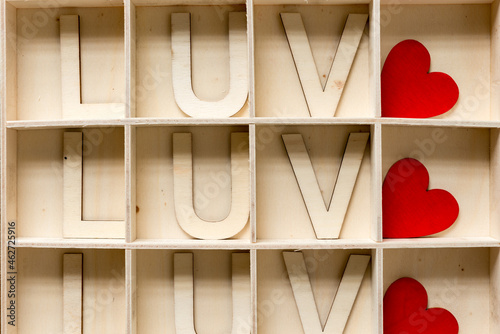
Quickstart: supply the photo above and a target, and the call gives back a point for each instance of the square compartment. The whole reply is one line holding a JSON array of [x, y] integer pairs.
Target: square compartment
[[277, 311], [281, 211], [40, 291], [278, 91], [40, 179], [462, 41], [462, 280], [212, 284], [211, 152], [34, 59], [461, 161], [209, 52]]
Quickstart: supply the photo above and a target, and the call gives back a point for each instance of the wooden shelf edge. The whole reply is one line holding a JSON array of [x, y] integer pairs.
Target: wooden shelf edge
[[245, 121], [25, 242], [463, 242], [262, 244]]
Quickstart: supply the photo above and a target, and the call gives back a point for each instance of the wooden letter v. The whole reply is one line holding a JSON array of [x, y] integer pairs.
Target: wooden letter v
[[327, 221], [344, 299], [323, 101]]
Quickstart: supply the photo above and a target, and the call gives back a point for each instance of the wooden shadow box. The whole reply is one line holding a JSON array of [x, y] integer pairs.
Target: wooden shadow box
[[125, 61]]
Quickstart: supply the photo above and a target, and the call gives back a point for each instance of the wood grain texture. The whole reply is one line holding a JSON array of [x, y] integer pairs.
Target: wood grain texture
[[344, 299], [73, 293], [184, 292], [72, 105], [181, 69], [322, 100], [238, 215], [326, 219], [74, 226]]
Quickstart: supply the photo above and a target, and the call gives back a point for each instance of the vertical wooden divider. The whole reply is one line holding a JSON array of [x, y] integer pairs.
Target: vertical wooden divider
[[252, 130], [494, 289], [130, 183], [376, 167], [131, 290], [253, 183], [495, 115], [376, 129], [376, 181], [251, 58], [374, 54], [377, 290], [253, 289], [495, 183], [495, 168], [130, 167], [495, 65], [253, 165], [130, 59]]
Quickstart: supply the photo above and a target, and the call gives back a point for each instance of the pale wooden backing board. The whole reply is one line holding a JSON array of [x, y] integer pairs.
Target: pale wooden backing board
[[125, 63]]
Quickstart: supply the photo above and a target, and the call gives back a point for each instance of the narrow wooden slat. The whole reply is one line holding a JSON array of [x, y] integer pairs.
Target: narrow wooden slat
[[377, 290], [253, 182], [375, 70], [253, 288], [130, 183], [73, 293], [131, 290], [376, 182]]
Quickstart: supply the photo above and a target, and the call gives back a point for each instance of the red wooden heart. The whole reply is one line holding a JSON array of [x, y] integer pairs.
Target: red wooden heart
[[406, 312], [409, 90], [408, 208]]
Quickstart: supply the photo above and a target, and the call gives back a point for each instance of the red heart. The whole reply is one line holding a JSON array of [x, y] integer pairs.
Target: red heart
[[408, 208], [409, 90], [406, 312]]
